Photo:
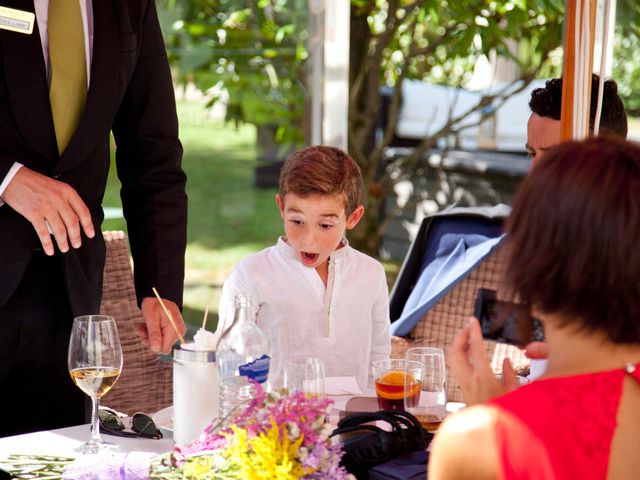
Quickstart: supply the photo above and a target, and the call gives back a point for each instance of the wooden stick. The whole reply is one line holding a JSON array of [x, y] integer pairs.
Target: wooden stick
[[204, 320], [173, 324]]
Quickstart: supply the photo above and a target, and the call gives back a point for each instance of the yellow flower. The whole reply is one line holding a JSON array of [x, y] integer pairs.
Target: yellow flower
[[198, 467], [266, 456]]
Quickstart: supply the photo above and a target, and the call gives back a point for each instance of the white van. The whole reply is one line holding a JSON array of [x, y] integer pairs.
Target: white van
[[426, 108]]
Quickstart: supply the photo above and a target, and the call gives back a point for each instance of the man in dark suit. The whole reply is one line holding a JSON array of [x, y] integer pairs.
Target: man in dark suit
[[51, 250]]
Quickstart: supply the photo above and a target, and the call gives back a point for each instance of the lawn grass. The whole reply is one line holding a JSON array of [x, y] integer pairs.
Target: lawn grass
[[228, 217]]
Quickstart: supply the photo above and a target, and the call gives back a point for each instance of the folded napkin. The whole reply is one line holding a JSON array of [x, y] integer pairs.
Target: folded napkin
[[407, 467], [341, 386]]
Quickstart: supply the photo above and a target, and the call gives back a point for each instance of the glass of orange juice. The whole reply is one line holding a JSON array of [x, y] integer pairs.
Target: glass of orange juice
[[394, 380]]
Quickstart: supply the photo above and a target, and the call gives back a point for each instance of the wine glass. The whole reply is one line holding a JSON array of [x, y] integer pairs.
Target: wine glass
[[95, 363]]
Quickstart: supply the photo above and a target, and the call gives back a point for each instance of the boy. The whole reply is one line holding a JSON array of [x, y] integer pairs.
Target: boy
[[311, 293]]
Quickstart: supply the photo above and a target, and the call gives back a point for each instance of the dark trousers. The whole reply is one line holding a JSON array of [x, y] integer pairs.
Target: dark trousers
[[36, 390]]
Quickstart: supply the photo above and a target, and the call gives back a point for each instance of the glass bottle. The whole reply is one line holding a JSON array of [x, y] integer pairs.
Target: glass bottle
[[243, 353]]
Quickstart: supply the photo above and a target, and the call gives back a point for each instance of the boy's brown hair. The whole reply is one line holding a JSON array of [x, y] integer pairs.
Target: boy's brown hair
[[321, 170]]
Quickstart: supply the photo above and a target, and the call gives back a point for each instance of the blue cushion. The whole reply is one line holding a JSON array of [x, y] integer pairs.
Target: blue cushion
[[455, 257]]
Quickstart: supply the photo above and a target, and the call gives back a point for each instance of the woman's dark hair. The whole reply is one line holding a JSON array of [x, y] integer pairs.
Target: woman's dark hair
[[547, 102], [575, 232]]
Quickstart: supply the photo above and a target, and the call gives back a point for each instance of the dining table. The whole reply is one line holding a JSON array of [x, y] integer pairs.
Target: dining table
[[61, 442]]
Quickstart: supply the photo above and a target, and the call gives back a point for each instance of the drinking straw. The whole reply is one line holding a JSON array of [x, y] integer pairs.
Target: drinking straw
[[173, 324], [204, 320]]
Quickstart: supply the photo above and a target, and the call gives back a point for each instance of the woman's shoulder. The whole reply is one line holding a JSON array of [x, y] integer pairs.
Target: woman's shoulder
[[465, 446]]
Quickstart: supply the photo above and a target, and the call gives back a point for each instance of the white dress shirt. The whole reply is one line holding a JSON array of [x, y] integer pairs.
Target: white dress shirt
[[346, 324]]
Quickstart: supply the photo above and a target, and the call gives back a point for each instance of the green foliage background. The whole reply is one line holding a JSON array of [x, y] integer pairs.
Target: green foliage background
[[254, 49]]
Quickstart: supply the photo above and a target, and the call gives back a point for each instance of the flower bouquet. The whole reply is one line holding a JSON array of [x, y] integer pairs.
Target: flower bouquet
[[276, 437]]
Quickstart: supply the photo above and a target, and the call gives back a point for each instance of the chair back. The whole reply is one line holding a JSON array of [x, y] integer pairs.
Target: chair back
[[146, 382], [450, 310]]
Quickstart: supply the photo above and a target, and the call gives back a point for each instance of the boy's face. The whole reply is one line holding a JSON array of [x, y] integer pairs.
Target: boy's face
[[314, 225]]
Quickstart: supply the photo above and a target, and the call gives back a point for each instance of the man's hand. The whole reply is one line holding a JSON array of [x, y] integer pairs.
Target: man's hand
[[469, 364], [45, 201], [157, 333]]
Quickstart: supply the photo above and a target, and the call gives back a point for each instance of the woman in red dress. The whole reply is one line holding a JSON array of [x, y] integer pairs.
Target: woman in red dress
[[574, 235]]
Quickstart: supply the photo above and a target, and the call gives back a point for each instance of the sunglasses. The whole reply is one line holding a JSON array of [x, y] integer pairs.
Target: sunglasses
[[141, 424]]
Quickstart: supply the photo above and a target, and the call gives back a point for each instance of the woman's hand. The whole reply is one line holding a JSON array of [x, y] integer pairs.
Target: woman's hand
[[536, 350], [469, 364]]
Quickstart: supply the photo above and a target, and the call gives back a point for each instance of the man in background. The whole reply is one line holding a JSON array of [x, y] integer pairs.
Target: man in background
[[543, 127], [543, 132]]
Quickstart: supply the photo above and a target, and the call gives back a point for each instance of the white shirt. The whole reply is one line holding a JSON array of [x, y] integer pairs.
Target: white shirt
[[346, 324], [42, 17]]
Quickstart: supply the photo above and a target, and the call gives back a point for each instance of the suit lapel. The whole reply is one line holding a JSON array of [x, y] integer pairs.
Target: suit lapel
[[103, 87], [26, 77]]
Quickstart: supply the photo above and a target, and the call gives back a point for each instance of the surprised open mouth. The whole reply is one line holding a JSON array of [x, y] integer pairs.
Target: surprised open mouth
[[308, 258]]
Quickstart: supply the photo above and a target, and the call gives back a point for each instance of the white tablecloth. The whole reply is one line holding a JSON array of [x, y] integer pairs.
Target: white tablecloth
[[61, 442]]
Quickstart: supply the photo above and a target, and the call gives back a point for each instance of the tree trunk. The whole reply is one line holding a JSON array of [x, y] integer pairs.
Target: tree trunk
[[365, 237]]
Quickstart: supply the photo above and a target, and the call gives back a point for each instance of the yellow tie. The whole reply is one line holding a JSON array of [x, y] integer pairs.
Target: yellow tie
[[68, 90]]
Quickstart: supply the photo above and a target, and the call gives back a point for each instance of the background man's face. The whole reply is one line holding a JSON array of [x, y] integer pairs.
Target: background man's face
[[542, 134]]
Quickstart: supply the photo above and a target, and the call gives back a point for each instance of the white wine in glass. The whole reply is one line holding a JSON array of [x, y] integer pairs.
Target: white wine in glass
[[95, 363]]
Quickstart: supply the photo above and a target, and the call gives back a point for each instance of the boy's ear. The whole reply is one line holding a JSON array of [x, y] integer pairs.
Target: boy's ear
[[280, 205], [355, 217]]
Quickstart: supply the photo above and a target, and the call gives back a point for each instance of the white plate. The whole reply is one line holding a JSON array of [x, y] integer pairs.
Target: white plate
[[164, 419]]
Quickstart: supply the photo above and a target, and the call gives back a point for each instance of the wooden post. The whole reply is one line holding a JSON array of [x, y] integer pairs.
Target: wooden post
[[315, 62], [329, 71], [335, 121], [579, 34]]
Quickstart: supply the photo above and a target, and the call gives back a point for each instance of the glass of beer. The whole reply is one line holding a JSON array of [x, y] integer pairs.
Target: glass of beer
[[394, 380], [429, 406]]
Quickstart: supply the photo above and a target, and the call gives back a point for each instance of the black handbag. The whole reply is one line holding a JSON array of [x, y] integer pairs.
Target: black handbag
[[367, 445]]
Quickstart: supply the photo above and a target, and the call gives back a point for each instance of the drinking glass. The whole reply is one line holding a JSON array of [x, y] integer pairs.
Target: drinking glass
[[429, 405], [95, 363], [304, 374], [390, 376]]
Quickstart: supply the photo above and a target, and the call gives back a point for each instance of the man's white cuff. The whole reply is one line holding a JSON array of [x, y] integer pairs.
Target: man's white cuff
[[5, 183]]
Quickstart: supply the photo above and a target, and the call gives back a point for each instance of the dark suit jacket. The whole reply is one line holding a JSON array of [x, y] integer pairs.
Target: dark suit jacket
[[130, 93]]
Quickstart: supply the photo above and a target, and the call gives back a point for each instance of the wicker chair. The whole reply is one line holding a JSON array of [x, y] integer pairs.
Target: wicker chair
[[440, 323], [146, 382]]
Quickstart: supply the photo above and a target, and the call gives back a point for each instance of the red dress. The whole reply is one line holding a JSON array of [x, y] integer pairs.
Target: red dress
[[560, 428]]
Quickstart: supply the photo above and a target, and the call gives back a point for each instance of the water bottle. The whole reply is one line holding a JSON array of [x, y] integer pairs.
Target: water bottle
[[243, 353]]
